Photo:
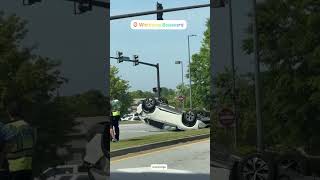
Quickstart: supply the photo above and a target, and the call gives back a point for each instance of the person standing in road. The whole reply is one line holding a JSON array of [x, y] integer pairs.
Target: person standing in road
[[20, 152], [115, 117], [111, 131]]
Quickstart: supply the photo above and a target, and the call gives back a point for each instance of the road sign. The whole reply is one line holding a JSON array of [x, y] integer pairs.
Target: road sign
[[181, 98], [226, 117]]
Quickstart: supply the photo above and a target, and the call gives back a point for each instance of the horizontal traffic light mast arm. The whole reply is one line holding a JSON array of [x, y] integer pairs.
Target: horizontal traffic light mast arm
[[158, 11], [145, 63], [148, 64], [123, 59], [102, 4]]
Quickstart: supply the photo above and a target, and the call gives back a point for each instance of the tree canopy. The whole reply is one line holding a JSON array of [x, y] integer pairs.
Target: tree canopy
[[119, 89], [32, 81], [289, 43], [200, 72]]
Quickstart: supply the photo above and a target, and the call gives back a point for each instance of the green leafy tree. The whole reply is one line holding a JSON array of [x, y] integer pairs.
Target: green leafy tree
[[289, 50], [183, 90], [119, 89], [200, 72], [141, 94], [32, 81], [90, 103]]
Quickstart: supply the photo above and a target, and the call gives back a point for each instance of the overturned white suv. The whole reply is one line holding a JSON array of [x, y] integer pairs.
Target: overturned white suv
[[157, 113]]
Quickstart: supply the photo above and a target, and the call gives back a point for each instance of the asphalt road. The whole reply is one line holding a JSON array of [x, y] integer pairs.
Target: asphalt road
[[128, 131], [187, 162]]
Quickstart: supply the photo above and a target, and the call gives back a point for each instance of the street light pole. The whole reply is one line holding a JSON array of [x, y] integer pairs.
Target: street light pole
[[181, 91], [182, 84], [190, 91], [257, 78]]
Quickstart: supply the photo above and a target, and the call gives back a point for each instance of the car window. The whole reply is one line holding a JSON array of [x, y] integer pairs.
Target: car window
[[82, 177], [65, 177], [64, 170]]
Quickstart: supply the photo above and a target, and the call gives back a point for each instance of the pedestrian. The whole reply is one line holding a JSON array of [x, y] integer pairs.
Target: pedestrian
[[20, 152], [112, 134], [111, 131], [115, 117]]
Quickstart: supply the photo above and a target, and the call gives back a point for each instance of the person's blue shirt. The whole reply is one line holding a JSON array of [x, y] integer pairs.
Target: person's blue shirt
[[5, 133]]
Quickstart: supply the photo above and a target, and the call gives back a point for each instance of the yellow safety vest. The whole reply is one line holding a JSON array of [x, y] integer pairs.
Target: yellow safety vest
[[20, 155], [116, 113]]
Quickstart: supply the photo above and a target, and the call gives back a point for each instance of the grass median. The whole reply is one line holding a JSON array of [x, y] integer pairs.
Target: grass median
[[139, 141]]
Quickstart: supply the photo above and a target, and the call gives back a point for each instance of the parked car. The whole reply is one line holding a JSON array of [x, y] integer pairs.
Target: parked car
[[130, 117]]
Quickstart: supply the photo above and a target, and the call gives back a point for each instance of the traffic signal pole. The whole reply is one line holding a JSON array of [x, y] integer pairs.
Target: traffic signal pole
[[157, 66], [158, 80]]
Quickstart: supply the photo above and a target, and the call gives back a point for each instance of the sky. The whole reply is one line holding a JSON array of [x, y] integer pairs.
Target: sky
[[78, 41], [155, 46], [165, 47]]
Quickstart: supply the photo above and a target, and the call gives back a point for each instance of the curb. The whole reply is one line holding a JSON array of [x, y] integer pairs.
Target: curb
[[146, 147]]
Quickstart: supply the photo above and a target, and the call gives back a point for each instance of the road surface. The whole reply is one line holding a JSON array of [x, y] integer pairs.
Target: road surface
[[128, 131], [187, 162]]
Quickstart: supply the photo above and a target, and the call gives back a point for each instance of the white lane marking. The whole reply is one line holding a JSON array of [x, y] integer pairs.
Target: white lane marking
[[150, 170]]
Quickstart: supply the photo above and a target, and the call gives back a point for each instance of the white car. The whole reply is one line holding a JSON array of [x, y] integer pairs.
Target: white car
[[159, 114], [130, 117], [65, 172]]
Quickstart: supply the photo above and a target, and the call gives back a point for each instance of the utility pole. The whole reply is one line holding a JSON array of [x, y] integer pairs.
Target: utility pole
[[233, 74], [257, 79]]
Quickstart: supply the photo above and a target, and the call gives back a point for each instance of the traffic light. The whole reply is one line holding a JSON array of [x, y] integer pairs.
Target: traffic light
[[136, 60], [218, 3], [30, 2], [155, 89], [83, 6], [120, 56], [159, 14]]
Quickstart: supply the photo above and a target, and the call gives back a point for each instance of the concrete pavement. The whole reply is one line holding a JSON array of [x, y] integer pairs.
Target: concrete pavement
[[188, 161]]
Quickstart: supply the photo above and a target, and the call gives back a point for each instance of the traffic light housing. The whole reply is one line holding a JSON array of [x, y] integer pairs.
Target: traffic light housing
[[159, 14], [83, 6], [136, 60], [155, 89], [218, 3], [120, 56], [30, 2]]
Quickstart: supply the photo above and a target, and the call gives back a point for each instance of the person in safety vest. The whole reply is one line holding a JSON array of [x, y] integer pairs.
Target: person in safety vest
[[115, 117], [111, 131], [20, 152]]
